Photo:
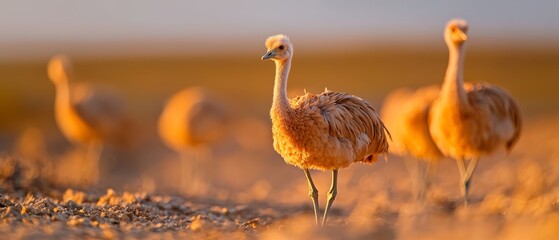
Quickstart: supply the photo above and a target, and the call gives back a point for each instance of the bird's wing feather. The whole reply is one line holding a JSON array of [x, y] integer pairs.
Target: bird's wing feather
[[101, 110], [500, 104], [347, 117]]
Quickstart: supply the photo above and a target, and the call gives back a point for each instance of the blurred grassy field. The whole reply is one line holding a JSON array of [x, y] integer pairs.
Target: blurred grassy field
[[245, 82]]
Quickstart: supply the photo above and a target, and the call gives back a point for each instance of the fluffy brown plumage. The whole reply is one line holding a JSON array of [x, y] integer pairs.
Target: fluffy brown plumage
[[469, 121], [326, 131]]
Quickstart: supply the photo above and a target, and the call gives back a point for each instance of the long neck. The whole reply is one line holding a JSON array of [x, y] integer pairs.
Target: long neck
[[280, 100], [453, 85], [62, 99]]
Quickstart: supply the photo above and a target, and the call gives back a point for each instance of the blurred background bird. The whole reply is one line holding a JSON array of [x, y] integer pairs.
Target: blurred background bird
[[87, 116], [191, 122], [468, 121], [405, 113]]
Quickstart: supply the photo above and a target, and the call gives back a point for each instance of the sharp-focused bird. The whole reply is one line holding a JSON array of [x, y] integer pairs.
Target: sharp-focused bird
[[192, 120], [405, 112], [472, 120], [326, 131], [87, 116]]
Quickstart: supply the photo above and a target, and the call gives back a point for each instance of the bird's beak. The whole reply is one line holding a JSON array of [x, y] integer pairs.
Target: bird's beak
[[462, 35], [268, 55]]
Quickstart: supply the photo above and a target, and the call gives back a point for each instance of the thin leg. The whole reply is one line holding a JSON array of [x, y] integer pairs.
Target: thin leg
[[331, 195], [462, 169], [313, 193], [186, 173], [205, 178], [413, 167], [197, 172], [467, 178], [427, 174], [93, 156]]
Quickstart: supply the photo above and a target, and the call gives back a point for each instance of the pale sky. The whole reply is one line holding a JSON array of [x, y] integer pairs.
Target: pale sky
[[42, 27]]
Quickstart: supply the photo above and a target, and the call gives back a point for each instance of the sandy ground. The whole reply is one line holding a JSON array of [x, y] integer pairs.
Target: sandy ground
[[254, 195], [247, 191]]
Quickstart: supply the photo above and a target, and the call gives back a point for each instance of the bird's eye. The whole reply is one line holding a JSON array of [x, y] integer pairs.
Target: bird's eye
[[453, 29], [281, 47]]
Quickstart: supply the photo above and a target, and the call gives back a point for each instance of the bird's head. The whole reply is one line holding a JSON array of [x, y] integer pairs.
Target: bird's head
[[59, 68], [279, 48], [456, 32]]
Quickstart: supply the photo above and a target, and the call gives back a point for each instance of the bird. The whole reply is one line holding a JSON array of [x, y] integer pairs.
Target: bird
[[326, 131], [406, 112], [87, 116], [470, 120], [191, 121]]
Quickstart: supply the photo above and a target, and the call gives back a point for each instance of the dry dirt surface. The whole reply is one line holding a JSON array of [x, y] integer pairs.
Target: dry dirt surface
[[31, 208], [513, 196], [76, 214]]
